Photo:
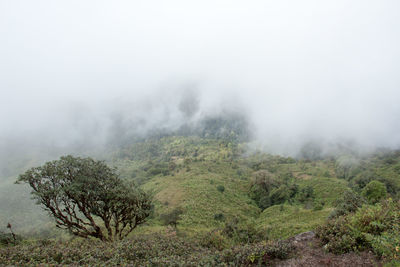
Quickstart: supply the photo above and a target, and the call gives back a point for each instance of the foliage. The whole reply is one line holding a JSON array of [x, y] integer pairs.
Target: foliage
[[242, 232], [374, 191], [159, 249], [272, 197], [277, 224], [347, 167], [79, 191], [371, 227], [219, 217], [9, 238], [349, 202], [172, 218], [306, 194], [215, 239], [269, 189], [221, 188]]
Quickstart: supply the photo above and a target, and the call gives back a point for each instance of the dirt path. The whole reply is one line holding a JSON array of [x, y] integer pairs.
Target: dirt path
[[310, 253]]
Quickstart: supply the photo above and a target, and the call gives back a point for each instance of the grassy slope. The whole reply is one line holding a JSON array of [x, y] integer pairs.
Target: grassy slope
[[201, 165], [193, 187], [196, 192], [286, 221]]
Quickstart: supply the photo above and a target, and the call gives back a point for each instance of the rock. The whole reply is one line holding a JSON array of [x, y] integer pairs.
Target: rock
[[304, 236]]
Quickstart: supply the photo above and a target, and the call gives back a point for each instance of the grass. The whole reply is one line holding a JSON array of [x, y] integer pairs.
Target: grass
[[291, 220], [196, 192], [325, 189], [201, 165]]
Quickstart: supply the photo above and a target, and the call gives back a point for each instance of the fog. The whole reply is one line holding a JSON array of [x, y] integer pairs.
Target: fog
[[76, 72]]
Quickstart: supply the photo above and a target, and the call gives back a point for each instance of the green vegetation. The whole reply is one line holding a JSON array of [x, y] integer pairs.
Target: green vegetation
[[226, 203], [374, 191], [375, 227], [172, 218], [166, 249], [78, 191]]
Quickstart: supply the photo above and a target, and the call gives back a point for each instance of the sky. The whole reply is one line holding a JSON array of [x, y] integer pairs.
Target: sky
[[300, 70]]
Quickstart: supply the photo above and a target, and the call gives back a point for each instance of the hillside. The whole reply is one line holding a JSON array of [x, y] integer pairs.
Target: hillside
[[186, 172], [228, 195]]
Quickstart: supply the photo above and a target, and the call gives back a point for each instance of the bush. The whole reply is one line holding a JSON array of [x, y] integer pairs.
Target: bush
[[172, 218], [259, 254], [279, 195], [374, 191], [337, 236], [9, 239], [371, 227], [245, 232], [219, 217], [306, 194], [349, 202], [167, 249], [221, 188], [214, 239]]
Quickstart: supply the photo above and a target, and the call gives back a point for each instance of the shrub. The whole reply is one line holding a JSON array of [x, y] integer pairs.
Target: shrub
[[279, 195], [9, 239], [374, 191], [306, 194], [158, 249], [371, 227], [245, 232], [259, 254], [349, 202], [214, 239], [264, 202], [337, 236], [318, 206], [172, 218], [219, 217], [221, 188]]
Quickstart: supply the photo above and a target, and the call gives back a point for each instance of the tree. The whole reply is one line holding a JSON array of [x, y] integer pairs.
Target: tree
[[172, 217], [87, 197], [374, 191]]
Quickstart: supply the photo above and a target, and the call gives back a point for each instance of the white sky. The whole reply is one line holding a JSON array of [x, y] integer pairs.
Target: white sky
[[301, 69]]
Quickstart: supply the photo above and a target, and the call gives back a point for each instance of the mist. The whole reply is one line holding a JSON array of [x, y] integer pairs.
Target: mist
[[76, 73]]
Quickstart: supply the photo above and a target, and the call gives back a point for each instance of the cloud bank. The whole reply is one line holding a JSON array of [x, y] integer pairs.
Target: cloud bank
[[79, 71]]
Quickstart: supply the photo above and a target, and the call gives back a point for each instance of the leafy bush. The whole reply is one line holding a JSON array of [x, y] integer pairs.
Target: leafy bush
[[279, 195], [349, 202], [172, 218], [306, 194], [221, 188], [215, 239], [219, 217], [159, 249], [242, 232], [337, 236], [9, 239], [374, 191], [268, 190], [371, 227]]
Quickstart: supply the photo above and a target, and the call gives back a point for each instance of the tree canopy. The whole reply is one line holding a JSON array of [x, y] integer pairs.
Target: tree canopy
[[87, 197]]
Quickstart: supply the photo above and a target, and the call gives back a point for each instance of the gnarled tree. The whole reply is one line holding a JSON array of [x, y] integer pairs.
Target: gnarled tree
[[88, 198]]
